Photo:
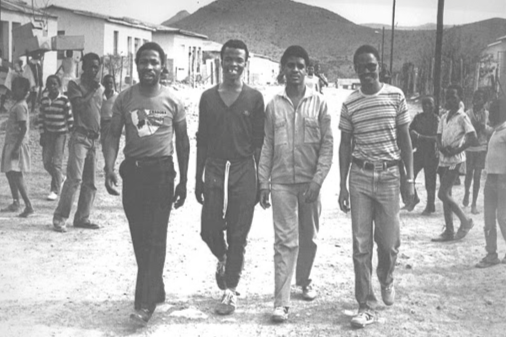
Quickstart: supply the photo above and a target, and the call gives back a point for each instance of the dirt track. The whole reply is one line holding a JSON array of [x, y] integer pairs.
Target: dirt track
[[81, 283]]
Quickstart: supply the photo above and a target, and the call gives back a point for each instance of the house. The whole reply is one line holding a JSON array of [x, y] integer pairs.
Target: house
[[117, 39], [262, 70], [492, 66], [16, 14]]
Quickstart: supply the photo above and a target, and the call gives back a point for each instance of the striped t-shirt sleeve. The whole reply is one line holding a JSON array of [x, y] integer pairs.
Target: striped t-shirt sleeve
[[344, 121], [402, 111]]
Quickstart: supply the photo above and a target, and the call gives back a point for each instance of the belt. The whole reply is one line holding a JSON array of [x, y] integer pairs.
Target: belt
[[85, 132], [376, 166], [148, 161]]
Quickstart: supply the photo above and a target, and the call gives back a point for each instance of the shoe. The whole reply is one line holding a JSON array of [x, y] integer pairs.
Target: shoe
[[87, 225], [280, 314], [428, 210], [465, 201], [412, 205], [60, 229], [474, 210], [141, 316], [488, 261], [364, 317], [308, 293], [26, 212], [227, 304], [464, 229], [388, 294], [14, 207], [444, 237], [220, 274], [52, 196]]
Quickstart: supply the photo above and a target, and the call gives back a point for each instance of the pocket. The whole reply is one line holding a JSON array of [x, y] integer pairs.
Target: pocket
[[312, 133], [280, 133]]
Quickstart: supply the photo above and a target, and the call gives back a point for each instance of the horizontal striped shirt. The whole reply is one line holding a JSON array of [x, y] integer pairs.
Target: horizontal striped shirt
[[372, 120], [55, 115]]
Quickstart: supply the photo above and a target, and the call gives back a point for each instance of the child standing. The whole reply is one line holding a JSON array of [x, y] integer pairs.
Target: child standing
[[55, 121], [495, 185], [16, 153]]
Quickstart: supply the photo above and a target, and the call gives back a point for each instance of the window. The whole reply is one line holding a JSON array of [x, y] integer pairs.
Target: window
[[130, 56], [116, 37], [137, 44]]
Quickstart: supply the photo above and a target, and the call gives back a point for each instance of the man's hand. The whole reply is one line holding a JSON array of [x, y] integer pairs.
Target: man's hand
[[264, 198], [94, 85], [453, 151], [199, 191], [15, 153], [43, 139], [312, 192], [344, 200], [111, 182], [409, 190], [179, 195]]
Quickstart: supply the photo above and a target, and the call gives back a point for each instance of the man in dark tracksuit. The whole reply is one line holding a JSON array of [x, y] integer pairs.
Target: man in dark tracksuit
[[229, 140]]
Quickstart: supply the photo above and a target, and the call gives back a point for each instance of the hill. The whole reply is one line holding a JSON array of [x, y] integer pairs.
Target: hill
[[178, 17], [269, 26], [427, 26]]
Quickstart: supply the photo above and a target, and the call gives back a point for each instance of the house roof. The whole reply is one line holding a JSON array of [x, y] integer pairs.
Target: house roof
[[24, 8], [130, 22]]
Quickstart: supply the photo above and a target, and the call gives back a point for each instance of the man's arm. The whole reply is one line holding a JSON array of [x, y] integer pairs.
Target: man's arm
[[202, 143], [111, 147], [76, 97], [265, 162], [404, 143], [183, 155], [344, 168]]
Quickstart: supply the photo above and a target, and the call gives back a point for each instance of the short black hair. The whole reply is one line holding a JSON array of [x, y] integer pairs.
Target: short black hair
[[151, 46], [482, 92], [55, 77], [457, 88], [108, 76], [295, 51], [89, 57], [22, 82], [366, 49], [236, 44]]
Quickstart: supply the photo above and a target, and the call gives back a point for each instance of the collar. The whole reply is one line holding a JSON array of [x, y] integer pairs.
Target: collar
[[500, 127], [308, 93], [114, 93]]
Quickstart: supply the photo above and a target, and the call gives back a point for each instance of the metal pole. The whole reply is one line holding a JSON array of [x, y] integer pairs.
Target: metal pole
[[382, 48], [437, 55], [392, 45]]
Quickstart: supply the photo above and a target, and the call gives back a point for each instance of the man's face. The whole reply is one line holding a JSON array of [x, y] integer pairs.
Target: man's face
[[367, 69], [428, 105], [452, 99], [108, 84], [310, 70], [52, 85], [91, 69], [295, 70], [478, 101], [233, 63], [149, 67]]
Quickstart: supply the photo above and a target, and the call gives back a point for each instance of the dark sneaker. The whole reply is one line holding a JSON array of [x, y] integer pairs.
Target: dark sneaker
[[444, 237], [228, 303], [26, 213], [141, 316], [388, 294], [364, 317], [488, 261], [14, 207], [220, 274], [280, 314], [308, 293], [464, 229], [428, 210], [412, 205], [87, 225]]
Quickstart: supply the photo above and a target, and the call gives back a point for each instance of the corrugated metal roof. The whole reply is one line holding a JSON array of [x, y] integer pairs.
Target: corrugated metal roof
[[24, 8]]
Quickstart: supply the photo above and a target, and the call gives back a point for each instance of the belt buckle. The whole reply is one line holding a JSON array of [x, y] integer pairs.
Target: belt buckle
[[379, 166]]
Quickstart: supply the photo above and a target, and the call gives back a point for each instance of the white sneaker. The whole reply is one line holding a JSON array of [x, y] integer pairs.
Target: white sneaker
[[52, 196]]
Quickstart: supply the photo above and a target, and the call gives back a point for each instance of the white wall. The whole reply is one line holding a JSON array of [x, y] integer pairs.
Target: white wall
[[262, 70]]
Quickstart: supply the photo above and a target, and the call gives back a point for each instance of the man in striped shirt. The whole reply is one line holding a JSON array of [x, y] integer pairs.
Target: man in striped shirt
[[374, 138], [54, 122]]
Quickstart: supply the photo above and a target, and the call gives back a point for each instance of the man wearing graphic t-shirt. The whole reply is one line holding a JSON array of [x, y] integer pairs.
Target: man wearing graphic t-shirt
[[151, 115]]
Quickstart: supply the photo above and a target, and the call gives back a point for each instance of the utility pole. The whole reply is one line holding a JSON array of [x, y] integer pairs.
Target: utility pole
[[437, 56], [392, 44], [382, 48]]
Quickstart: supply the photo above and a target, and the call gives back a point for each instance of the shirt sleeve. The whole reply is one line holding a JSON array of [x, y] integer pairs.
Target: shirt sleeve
[[467, 125], [68, 114], [21, 113], [118, 119], [258, 121], [265, 164], [345, 120], [440, 125], [327, 145], [202, 132], [73, 90], [402, 111], [180, 113]]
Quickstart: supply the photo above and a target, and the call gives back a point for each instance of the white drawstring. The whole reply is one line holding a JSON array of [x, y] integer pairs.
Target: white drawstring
[[225, 189]]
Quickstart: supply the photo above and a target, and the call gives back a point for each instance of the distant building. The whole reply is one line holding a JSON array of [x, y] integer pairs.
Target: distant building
[[15, 14], [348, 83], [492, 67], [262, 70]]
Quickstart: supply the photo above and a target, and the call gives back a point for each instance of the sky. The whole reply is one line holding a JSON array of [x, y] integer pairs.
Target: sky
[[408, 12]]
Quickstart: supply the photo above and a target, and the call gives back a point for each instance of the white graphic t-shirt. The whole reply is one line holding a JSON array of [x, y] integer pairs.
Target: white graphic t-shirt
[[148, 121]]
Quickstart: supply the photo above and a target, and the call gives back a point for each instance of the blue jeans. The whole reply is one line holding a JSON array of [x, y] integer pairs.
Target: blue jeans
[[296, 225], [495, 202], [81, 167], [374, 198], [52, 158], [148, 191]]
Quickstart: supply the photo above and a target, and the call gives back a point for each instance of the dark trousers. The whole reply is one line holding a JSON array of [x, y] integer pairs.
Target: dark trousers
[[428, 162], [495, 210], [242, 191], [52, 158], [148, 190]]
